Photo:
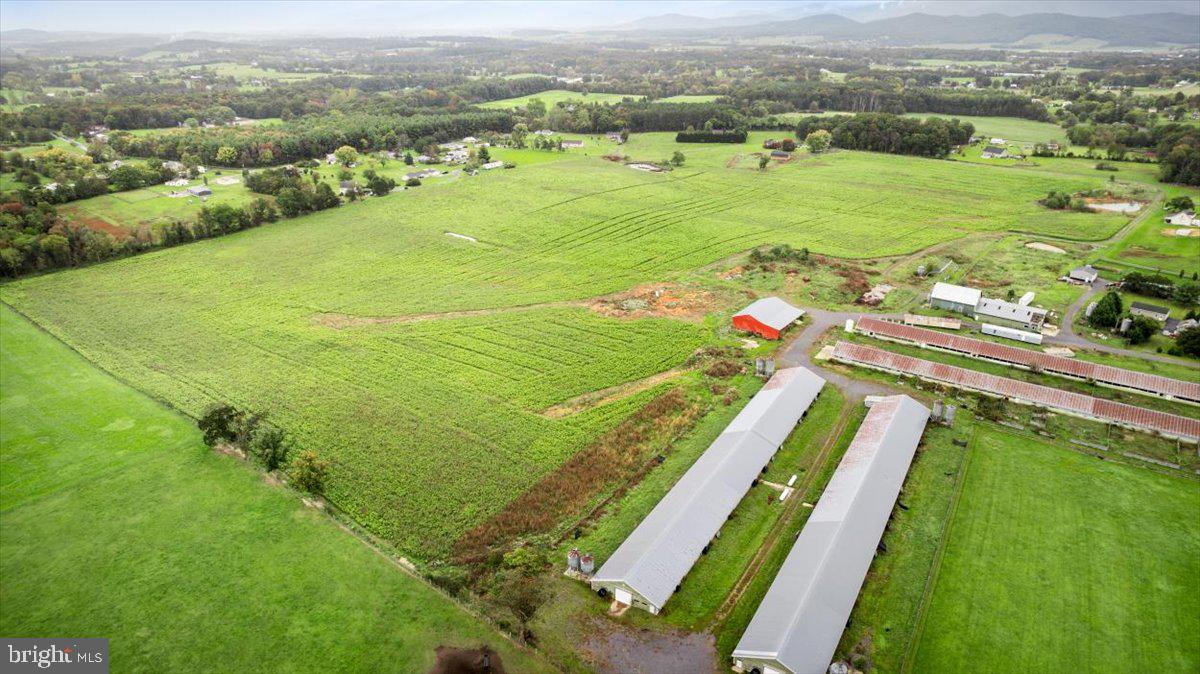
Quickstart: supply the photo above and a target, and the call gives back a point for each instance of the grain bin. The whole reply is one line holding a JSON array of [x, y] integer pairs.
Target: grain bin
[[573, 559], [587, 564]]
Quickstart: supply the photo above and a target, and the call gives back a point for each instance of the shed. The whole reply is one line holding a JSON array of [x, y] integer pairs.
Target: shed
[[1153, 311], [767, 317], [954, 298], [993, 152], [651, 563], [1085, 274], [200, 191], [801, 618]]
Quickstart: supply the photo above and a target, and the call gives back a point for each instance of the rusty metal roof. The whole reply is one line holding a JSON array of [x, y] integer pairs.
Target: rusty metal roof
[[1176, 388], [1137, 417]]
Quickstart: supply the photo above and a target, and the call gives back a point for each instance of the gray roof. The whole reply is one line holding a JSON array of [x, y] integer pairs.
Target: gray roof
[[801, 618], [1152, 308], [773, 312], [662, 549], [1008, 310], [1087, 271]]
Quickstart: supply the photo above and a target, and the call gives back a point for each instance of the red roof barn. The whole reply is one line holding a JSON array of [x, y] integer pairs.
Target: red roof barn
[[767, 317]]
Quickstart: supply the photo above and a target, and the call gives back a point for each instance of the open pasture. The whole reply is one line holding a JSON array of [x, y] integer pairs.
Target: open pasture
[[553, 97], [167, 548], [689, 98], [367, 331], [1011, 129], [1057, 560], [153, 205]]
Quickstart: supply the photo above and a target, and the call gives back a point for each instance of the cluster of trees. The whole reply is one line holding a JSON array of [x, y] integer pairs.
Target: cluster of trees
[[1061, 201], [33, 239], [267, 445], [883, 132], [1158, 285], [74, 176], [711, 136], [308, 137], [869, 95], [1178, 151]]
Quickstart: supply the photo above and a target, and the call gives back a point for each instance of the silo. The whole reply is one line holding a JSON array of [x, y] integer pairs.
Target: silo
[[573, 559], [587, 564]]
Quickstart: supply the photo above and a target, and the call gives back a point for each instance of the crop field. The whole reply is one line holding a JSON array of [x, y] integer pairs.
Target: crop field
[[206, 548], [555, 96], [366, 331], [1056, 559]]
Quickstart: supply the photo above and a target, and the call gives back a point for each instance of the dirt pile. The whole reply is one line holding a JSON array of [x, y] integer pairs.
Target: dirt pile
[[482, 660], [661, 300]]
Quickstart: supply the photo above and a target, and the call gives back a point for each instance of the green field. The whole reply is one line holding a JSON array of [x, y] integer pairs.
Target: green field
[[366, 330], [153, 205], [118, 522], [555, 96], [688, 98], [1011, 129], [1056, 561]]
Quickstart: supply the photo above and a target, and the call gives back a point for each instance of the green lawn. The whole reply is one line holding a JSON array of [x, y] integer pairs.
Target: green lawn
[[554, 96], [118, 522], [1056, 561], [153, 205], [311, 319], [1153, 243]]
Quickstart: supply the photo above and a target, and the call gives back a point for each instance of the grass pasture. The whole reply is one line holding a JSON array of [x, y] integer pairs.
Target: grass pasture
[[1011, 129], [153, 205], [688, 98], [553, 97], [1056, 561], [366, 331], [118, 511]]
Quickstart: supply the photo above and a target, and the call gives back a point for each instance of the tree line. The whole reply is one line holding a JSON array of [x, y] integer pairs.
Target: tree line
[[882, 132]]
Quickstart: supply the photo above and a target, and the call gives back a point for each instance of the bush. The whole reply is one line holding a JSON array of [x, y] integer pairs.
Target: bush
[[1180, 203], [711, 136], [412, 182], [1188, 342], [991, 408], [270, 447], [219, 424], [1057, 200], [308, 471], [1141, 329]]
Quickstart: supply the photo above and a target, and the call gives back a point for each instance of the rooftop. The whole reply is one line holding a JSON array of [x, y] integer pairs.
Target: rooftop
[[773, 312]]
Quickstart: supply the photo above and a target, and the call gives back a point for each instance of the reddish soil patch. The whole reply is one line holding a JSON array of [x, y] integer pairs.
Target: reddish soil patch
[[657, 300], [96, 224], [482, 660]]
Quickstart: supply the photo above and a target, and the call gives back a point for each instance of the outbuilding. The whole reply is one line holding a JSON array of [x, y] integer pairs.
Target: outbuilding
[[1153, 311], [200, 191], [1085, 274], [767, 317], [954, 298]]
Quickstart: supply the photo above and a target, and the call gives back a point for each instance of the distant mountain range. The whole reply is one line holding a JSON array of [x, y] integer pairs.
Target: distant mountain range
[[993, 29]]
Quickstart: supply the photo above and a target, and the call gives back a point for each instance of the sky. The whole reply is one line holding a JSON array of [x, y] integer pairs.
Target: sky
[[383, 17]]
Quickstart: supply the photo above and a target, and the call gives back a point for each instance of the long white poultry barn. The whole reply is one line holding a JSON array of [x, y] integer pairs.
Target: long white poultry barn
[[649, 566], [800, 620]]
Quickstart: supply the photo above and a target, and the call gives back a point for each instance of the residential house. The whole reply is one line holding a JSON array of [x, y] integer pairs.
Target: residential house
[[994, 152], [1183, 218]]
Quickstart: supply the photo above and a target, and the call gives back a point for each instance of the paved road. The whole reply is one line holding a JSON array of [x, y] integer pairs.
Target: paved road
[[1068, 337], [797, 351]]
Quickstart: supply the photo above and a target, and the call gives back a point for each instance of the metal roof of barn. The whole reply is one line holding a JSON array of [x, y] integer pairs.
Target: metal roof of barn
[[654, 558], [773, 312], [1152, 308], [1008, 310], [948, 292], [1177, 388], [801, 618], [1137, 417]]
